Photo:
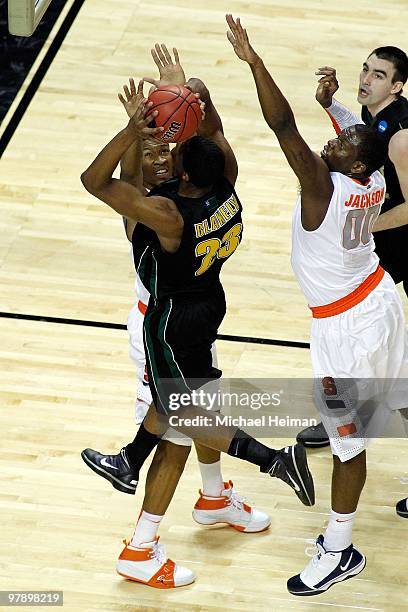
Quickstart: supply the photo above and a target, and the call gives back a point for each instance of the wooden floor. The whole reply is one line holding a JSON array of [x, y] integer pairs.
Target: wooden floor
[[63, 254]]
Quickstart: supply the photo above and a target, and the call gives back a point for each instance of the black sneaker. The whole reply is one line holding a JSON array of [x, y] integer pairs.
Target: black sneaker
[[115, 468], [313, 437], [290, 465], [402, 508]]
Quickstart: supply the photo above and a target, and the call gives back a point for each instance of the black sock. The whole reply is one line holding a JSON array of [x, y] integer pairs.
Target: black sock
[[247, 448], [138, 451]]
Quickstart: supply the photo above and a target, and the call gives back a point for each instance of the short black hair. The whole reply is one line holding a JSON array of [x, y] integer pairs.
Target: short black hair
[[372, 148], [398, 59], [203, 160]]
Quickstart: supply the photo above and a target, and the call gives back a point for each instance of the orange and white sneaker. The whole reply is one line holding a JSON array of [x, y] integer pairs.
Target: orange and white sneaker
[[149, 565], [230, 508]]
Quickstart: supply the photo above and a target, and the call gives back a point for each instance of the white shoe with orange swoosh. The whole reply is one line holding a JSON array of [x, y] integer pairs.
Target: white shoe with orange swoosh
[[149, 565], [230, 508]]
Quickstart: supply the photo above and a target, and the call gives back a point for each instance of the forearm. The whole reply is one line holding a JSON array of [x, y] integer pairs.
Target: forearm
[[100, 172], [340, 116], [396, 217], [275, 107], [212, 121], [131, 164]]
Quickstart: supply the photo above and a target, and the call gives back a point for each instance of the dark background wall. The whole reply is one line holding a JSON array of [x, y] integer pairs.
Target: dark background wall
[[17, 53]]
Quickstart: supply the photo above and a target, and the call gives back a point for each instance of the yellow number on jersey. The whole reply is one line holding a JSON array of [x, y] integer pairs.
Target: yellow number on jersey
[[213, 248]]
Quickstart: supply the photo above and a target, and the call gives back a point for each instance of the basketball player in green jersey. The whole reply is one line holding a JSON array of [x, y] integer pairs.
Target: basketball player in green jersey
[[187, 306]]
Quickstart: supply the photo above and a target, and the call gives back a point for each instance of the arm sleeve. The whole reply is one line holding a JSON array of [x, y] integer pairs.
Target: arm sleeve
[[341, 117]]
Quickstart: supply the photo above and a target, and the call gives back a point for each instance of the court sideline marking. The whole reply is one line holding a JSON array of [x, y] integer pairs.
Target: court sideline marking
[[121, 326]]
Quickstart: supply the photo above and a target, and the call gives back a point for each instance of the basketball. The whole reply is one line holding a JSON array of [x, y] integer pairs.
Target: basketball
[[178, 110]]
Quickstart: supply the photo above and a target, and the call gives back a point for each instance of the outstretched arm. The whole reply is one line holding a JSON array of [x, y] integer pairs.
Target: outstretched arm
[[311, 170], [160, 214], [340, 116], [211, 127]]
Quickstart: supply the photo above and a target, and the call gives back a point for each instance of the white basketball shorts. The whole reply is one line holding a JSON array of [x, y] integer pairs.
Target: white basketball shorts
[[360, 368]]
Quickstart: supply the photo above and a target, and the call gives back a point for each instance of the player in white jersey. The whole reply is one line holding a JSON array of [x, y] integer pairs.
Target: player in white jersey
[[218, 502], [358, 329]]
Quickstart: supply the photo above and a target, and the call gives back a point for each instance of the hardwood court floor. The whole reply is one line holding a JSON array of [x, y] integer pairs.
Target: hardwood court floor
[[65, 388], [63, 254]]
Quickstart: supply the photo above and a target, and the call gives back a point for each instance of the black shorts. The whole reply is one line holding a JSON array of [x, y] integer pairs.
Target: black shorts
[[178, 335], [391, 247]]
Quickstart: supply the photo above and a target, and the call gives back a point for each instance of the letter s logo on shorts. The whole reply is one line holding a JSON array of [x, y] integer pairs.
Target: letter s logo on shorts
[[329, 386]]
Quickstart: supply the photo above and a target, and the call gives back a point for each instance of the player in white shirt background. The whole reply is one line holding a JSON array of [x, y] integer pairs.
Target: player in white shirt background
[[358, 328]]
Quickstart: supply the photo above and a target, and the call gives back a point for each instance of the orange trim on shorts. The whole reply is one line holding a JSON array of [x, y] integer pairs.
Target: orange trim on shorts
[[142, 307], [346, 430], [350, 300]]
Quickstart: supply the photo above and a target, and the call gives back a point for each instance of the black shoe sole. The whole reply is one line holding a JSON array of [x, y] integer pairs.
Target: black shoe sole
[[117, 484], [303, 473], [402, 514], [312, 593], [312, 444]]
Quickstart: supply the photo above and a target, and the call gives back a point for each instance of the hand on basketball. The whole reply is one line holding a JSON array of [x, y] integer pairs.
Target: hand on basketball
[[327, 87], [238, 38], [171, 72], [137, 109]]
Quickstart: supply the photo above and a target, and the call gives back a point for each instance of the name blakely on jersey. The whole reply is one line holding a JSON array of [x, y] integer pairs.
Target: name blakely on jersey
[[333, 260]]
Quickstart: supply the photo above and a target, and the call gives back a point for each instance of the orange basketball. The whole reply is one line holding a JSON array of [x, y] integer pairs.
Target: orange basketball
[[179, 112]]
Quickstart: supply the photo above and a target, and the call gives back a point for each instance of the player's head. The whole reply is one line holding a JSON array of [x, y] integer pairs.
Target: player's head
[[157, 162], [200, 161], [358, 151], [383, 76]]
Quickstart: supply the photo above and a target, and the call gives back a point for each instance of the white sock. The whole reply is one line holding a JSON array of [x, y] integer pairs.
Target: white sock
[[146, 529], [339, 530], [211, 476]]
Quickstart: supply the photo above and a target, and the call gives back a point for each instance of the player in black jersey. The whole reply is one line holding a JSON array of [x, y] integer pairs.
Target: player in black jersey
[[382, 78], [198, 216]]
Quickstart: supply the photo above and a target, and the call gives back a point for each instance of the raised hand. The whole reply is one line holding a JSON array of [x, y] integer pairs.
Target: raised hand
[[170, 71], [132, 97], [327, 87], [238, 38], [137, 108]]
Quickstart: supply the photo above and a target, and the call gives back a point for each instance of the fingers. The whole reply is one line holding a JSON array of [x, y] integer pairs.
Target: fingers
[[176, 55], [150, 80], [326, 70], [160, 53], [133, 87], [127, 92], [167, 54]]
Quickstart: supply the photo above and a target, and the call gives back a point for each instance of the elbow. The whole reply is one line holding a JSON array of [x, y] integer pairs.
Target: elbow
[[281, 125], [88, 182], [85, 180]]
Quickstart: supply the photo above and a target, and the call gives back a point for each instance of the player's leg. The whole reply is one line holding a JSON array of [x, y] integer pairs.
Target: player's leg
[[402, 506], [337, 559], [143, 559], [137, 355], [219, 502]]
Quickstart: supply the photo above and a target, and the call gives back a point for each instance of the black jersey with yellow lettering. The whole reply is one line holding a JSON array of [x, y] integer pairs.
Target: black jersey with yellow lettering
[[212, 232], [388, 121]]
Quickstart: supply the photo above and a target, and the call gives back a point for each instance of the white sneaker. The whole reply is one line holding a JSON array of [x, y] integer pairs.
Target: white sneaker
[[325, 569], [230, 508], [148, 564]]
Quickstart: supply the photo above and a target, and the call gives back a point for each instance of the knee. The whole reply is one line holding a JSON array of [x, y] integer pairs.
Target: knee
[[172, 454]]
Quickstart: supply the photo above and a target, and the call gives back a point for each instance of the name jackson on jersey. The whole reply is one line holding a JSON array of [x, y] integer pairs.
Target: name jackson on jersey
[[365, 200]]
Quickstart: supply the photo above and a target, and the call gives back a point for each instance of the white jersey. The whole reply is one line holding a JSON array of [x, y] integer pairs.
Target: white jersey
[[333, 260]]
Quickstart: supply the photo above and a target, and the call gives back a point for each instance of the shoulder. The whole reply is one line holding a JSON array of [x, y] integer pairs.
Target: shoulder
[[398, 148]]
